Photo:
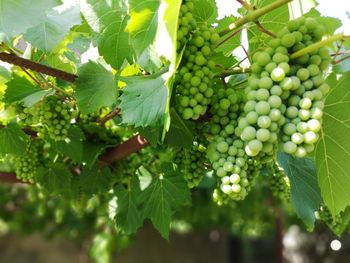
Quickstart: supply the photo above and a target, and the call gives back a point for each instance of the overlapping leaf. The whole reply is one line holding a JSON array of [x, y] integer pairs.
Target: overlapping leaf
[[17, 16], [95, 88], [12, 140], [56, 179], [333, 149], [143, 23], [19, 88], [52, 30], [144, 99], [305, 193], [205, 11], [129, 217], [162, 197], [109, 20]]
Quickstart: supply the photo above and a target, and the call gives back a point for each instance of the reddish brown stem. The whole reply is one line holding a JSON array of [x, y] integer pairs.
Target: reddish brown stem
[[32, 77], [9, 178], [128, 147], [229, 37], [341, 60], [25, 63], [109, 116], [264, 30]]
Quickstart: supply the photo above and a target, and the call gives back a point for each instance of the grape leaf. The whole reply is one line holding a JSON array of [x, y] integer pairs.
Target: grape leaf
[[205, 11], [55, 179], [17, 16], [144, 99], [19, 88], [143, 23], [305, 192], [166, 193], [91, 152], [34, 98], [109, 20], [333, 149], [95, 88], [179, 129], [128, 216], [52, 30], [231, 42], [72, 148], [94, 181], [12, 140], [5, 75]]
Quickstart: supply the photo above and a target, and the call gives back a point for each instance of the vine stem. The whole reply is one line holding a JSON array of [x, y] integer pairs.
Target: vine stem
[[37, 67], [253, 15], [316, 45], [130, 146], [234, 71], [109, 116], [9, 178]]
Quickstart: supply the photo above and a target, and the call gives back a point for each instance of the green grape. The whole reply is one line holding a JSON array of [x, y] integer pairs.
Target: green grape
[[50, 117], [235, 170], [297, 86], [191, 163], [26, 165], [193, 84], [335, 223], [279, 184]]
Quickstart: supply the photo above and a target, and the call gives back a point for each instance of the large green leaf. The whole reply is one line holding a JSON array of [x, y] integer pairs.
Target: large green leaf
[[305, 193], [16, 16], [143, 23], [91, 152], [231, 41], [205, 11], [19, 88], [53, 29], [55, 179], [166, 193], [179, 128], [12, 140], [144, 99], [333, 149], [109, 20], [94, 181], [73, 147], [128, 216], [95, 88]]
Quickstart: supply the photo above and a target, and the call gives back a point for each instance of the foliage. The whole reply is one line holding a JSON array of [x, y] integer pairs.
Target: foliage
[[273, 134]]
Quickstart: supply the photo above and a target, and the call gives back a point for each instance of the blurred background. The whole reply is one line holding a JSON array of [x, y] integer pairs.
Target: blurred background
[[35, 228]]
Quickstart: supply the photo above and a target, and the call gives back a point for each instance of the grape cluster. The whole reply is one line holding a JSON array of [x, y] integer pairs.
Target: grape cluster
[[51, 118], [286, 96], [334, 223], [191, 163], [195, 77], [26, 165], [279, 184], [187, 23], [226, 151]]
